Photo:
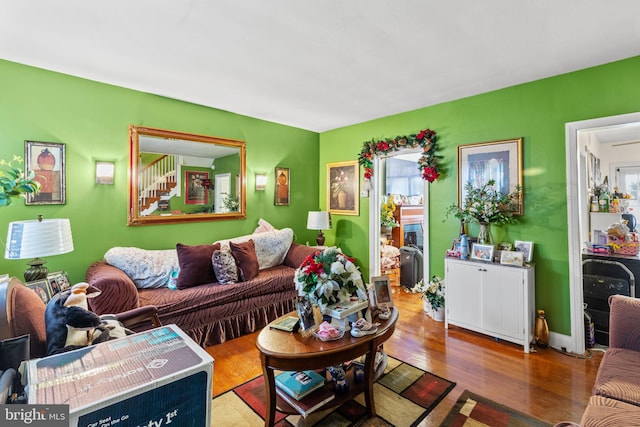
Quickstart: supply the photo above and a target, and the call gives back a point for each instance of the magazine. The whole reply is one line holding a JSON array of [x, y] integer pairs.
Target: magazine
[[287, 323], [311, 402]]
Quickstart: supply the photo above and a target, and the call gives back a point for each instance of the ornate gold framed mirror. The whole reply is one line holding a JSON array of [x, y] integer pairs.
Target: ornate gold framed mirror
[[184, 177]]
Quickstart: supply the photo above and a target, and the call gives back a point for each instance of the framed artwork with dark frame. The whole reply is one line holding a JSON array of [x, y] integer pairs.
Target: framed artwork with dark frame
[[283, 184], [343, 183], [500, 161], [47, 161], [194, 192], [42, 288]]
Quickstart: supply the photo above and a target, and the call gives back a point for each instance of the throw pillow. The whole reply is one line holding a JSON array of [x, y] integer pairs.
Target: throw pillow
[[224, 266], [271, 246], [195, 265], [245, 255], [146, 268], [264, 226]]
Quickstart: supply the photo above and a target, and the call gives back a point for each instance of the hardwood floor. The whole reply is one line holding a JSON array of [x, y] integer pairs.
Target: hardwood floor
[[546, 384]]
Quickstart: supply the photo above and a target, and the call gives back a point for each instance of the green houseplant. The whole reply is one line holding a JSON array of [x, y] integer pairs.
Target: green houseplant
[[14, 183]]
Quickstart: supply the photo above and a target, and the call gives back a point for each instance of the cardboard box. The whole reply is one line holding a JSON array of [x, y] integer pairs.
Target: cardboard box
[[153, 378]]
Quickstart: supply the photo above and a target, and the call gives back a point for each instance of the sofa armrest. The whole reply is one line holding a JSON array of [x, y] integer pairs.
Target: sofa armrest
[[297, 253], [119, 293], [624, 322]]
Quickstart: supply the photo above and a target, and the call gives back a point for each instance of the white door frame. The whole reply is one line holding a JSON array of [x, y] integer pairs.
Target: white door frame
[[575, 216]]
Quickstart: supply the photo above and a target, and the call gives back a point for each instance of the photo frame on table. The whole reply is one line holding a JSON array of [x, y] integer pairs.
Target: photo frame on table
[[47, 161], [500, 161], [482, 252], [58, 282], [381, 289], [195, 193], [512, 258], [526, 248], [307, 314], [42, 288], [343, 183], [283, 184]]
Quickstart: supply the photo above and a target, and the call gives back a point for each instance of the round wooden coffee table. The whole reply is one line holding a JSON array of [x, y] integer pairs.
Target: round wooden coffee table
[[289, 351]]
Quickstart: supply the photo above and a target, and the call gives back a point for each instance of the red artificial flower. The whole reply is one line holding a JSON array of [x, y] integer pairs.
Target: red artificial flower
[[421, 134], [430, 174]]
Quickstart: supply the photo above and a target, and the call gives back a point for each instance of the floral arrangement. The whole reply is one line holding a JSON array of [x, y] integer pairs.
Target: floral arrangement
[[14, 183], [231, 203], [328, 277], [428, 162], [486, 205], [432, 291], [386, 214]]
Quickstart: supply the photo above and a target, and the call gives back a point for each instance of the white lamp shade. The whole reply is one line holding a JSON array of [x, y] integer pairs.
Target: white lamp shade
[[319, 221], [34, 238]]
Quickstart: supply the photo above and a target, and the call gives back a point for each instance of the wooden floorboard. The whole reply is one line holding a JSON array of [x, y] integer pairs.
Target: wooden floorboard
[[546, 384]]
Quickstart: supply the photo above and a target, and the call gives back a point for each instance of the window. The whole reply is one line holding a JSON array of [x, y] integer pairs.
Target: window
[[628, 180]]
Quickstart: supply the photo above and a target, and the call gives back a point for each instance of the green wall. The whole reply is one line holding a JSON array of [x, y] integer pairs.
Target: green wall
[[92, 119], [536, 111]]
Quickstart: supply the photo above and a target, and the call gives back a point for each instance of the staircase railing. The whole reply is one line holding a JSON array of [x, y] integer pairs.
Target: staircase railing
[[155, 178]]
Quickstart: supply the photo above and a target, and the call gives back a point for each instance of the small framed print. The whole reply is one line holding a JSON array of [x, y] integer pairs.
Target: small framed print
[[282, 187], [526, 248], [382, 291], [512, 258], [307, 314], [47, 161], [58, 282], [41, 288], [482, 252]]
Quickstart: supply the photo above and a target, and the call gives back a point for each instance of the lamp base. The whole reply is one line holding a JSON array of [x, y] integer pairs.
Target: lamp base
[[36, 271], [320, 238]]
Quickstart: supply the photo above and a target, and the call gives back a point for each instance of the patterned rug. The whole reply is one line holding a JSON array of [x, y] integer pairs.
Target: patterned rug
[[403, 395], [474, 410]]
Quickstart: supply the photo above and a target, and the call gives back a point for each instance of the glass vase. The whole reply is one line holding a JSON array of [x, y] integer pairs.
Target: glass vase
[[484, 236]]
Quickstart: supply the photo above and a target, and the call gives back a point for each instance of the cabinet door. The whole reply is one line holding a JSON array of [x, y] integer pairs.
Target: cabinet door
[[503, 301], [463, 294]]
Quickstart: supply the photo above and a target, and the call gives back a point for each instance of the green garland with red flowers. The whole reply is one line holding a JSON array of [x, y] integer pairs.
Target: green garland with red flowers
[[428, 162]]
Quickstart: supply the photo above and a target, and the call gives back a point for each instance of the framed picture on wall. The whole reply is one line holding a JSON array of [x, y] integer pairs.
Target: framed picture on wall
[[343, 183], [500, 161], [283, 182], [195, 192], [47, 161]]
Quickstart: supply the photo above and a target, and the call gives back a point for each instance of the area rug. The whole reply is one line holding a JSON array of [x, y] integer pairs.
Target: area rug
[[474, 410], [403, 396]]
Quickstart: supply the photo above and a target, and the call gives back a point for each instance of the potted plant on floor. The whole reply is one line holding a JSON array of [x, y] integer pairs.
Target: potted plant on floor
[[432, 293]]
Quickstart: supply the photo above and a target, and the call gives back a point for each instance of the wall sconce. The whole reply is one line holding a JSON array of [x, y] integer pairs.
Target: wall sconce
[[105, 172], [261, 181]]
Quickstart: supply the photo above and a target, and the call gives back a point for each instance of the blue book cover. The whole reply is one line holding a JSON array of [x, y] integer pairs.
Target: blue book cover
[[298, 384]]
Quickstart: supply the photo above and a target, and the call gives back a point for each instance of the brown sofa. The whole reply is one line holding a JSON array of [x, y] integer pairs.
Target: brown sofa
[[616, 393], [210, 313]]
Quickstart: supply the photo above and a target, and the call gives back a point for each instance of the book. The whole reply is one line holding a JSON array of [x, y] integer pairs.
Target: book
[[341, 310], [299, 384], [311, 402], [285, 324]]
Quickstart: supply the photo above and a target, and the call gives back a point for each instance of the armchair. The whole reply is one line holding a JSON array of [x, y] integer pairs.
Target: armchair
[[22, 313]]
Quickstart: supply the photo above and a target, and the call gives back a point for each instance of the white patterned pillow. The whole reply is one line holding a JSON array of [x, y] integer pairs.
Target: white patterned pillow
[[271, 246], [147, 268], [224, 265]]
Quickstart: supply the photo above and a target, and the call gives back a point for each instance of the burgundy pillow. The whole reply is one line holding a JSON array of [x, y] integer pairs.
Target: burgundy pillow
[[245, 255], [195, 265]]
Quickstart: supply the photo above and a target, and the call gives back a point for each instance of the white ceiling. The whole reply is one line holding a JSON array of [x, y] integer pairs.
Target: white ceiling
[[321, 64]]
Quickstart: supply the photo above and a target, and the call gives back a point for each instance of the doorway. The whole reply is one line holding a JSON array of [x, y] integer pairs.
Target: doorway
[[376, 194], [577, 210]]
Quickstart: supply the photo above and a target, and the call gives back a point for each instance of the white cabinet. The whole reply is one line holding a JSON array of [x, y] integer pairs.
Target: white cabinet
[[492, 299]]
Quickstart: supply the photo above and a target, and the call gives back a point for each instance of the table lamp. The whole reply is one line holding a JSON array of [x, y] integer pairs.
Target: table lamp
[[319, 221], [38, 238]]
